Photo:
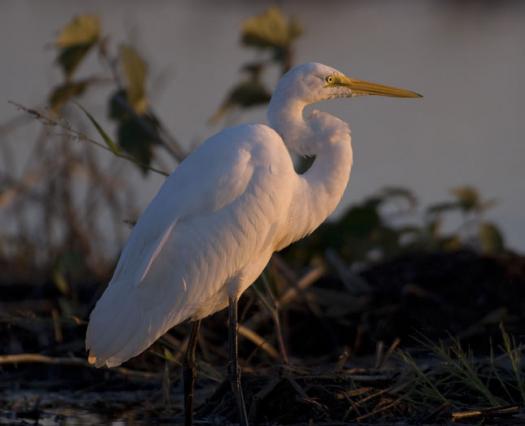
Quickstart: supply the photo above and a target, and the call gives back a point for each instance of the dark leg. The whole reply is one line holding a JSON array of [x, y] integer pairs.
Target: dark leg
[[188, 373], [234, 371]]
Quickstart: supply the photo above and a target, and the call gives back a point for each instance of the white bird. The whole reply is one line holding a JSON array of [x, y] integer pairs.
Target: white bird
[[213, 226]]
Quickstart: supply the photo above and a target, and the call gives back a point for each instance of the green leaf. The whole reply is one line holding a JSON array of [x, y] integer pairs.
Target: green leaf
[[135, 71], [491, 238], [71, 57], [271, 29], [137, 136], [82, 30], [362, 220], [119, 108], [60, 282], [109, 142], [467, 196], [168, 355], [65, 92], [75, 41], [246, 94]]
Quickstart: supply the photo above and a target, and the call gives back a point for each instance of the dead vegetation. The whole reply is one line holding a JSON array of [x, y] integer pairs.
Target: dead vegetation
[[416, 352], [382, 316]]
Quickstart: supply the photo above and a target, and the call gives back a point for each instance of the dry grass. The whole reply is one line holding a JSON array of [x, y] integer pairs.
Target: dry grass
[[337, 372]]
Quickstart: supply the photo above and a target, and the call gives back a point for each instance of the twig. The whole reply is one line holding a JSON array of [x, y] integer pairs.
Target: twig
[[385, 355], [306, 281], [52, 122], [262, 394], [279, 263], [354, 283], [259, 341], [30, 358], [302, 393], [380, 410], [274, 308], [356, 405], [488, 412]]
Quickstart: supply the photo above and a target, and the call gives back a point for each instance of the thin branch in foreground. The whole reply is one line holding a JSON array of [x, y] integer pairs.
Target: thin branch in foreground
[[30, 358], [76, 134], [259, 341]]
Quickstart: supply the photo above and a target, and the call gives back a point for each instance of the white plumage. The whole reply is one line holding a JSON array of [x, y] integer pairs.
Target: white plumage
[[182, 256], [216, 221]]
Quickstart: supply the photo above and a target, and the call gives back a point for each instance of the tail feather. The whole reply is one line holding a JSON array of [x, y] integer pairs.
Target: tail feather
[[119, 328], [111, 325]]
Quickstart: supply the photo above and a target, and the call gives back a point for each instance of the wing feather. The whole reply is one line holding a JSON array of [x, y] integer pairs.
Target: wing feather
[[158, 248], [216, 214]]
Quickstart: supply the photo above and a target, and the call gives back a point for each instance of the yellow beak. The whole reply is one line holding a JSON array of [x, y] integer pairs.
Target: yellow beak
[[364, 88]]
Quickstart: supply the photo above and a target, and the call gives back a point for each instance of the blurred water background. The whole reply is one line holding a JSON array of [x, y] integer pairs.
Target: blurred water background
[[466, 57]]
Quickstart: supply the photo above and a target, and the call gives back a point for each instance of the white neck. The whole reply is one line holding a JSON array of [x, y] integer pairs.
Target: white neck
[[327, 138]]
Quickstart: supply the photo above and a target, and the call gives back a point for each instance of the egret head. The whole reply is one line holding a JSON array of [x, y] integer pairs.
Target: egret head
[[313, 82], [309, 83]]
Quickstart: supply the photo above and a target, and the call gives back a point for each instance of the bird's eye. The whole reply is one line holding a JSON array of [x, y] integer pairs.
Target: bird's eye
[[330, 79]]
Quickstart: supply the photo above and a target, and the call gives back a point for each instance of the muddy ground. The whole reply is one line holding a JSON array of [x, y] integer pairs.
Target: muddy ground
[[350, 337]]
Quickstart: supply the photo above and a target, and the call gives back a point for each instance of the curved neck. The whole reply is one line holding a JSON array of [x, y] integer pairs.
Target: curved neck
[[327, 138], [285, 115]]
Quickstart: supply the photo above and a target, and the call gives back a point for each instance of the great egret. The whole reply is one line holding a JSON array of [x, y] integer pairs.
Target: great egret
[[213, 226]]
